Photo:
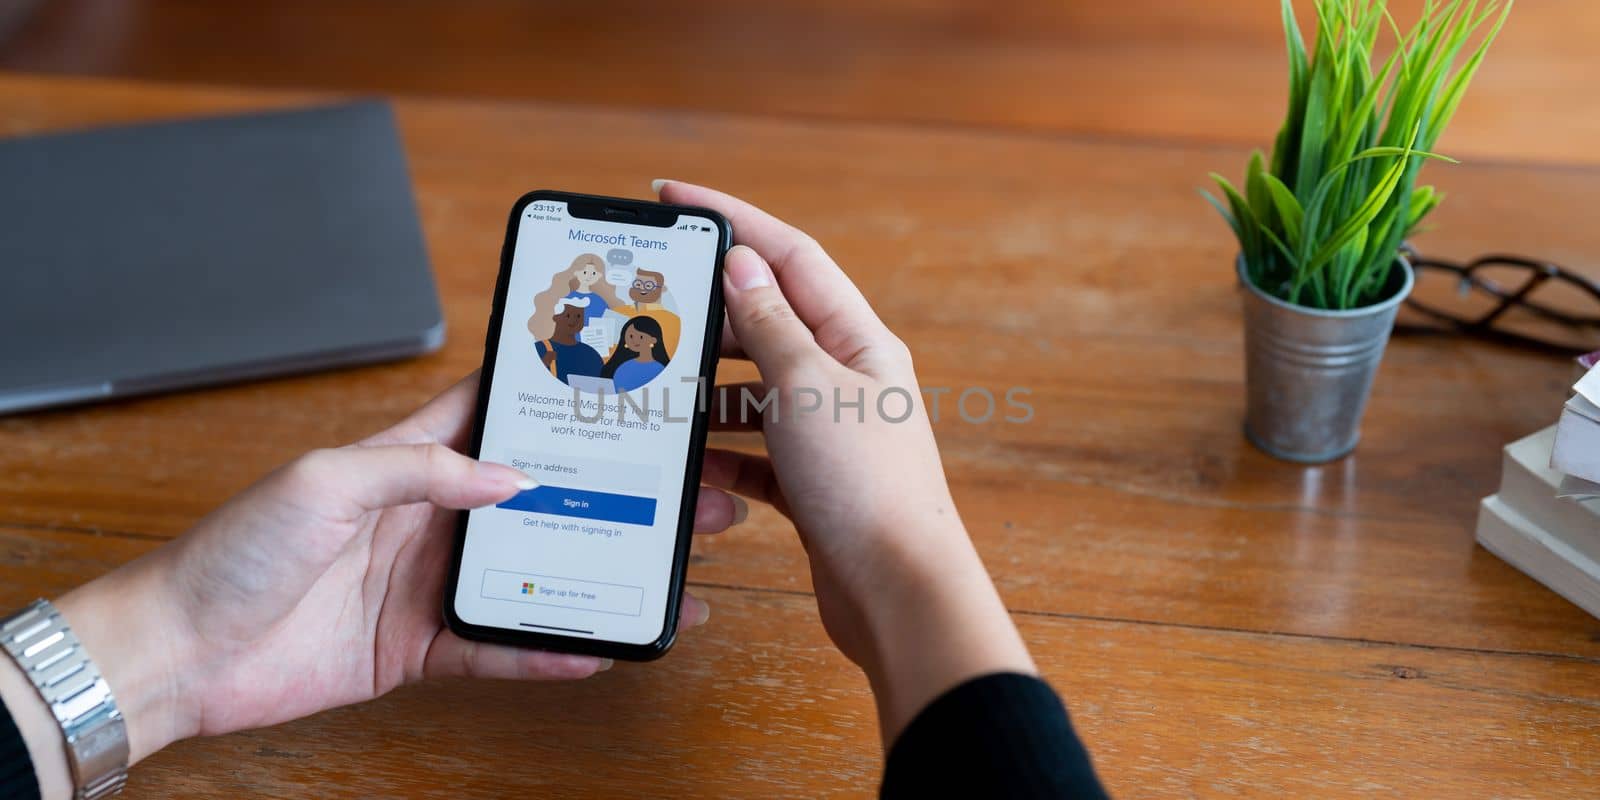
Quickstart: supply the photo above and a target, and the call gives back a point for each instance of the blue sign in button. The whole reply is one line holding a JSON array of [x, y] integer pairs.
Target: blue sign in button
[[561, 501]]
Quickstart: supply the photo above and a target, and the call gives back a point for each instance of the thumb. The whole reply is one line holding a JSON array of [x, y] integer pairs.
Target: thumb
[[372, 478], [762, 319]]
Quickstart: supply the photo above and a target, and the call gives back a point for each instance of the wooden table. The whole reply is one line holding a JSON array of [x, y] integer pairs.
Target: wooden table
[[1219, 623], [1153, 69]]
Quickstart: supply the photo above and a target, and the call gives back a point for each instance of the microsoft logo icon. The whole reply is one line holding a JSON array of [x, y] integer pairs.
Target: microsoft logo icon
[[527, 588]]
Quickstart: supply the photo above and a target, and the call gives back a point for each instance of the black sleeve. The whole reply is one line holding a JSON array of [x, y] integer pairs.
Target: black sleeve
[[1002, 735], [16, 766]]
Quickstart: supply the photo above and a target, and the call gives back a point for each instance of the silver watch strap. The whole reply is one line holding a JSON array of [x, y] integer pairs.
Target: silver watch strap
[[57, 666]]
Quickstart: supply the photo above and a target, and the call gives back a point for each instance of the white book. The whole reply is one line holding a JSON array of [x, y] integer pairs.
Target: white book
[[1530, 486], [1575, 488], [1577, 445], [1518, 541]]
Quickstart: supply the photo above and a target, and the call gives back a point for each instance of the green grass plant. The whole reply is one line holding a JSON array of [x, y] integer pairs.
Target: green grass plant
[[1320, 226]]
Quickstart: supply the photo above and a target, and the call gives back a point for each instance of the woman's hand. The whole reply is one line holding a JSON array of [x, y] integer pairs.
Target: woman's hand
[[899, 586], [317, 587]]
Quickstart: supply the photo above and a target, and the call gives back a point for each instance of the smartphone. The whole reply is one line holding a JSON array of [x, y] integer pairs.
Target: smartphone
[[601, 353]]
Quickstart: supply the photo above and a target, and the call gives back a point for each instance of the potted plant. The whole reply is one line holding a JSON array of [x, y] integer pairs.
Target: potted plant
[[1320, 227]]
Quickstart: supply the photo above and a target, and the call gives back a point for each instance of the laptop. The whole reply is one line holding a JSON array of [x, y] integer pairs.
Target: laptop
[[155, 257]]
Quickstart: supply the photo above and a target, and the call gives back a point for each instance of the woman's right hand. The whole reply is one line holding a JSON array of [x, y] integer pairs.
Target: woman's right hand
[[899, 586]]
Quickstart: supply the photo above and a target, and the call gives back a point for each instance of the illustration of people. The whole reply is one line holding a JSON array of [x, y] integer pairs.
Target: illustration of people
[[640, 356], [648, 286], [585, 278], [559, 350]]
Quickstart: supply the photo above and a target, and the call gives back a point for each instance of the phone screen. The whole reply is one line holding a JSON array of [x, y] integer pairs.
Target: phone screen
[[593, 391]]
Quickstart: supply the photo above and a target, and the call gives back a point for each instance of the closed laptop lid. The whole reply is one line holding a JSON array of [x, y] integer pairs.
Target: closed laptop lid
[[151, 257]]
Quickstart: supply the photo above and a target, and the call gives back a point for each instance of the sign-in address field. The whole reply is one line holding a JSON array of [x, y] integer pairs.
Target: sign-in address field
[[591, 474]]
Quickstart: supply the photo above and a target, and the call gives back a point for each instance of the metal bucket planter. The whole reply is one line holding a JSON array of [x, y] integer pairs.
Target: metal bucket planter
[[1309, 371]]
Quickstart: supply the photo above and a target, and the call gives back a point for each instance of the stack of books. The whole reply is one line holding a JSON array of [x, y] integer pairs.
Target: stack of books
[[1545, 520]]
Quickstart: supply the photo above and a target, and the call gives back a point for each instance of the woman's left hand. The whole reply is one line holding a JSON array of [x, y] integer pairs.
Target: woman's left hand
[[317, 587]]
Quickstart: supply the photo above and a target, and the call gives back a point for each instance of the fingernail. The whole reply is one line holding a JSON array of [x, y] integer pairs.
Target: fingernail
[[605, 664], [741, 509], [746, 270], [655, 185], [503, 474], [705, 614], [523, 480]]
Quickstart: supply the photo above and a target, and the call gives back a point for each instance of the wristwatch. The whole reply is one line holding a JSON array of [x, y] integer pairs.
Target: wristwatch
[[38, 638]]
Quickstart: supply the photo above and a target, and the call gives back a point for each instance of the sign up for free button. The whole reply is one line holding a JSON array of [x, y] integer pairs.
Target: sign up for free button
[[550, 590]]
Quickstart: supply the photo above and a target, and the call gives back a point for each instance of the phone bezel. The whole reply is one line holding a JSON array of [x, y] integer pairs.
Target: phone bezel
[[649, 214]]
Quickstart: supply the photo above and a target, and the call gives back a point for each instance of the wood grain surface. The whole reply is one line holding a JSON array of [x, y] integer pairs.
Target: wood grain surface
[[1219, 623], [758, 704], [1159, 69]]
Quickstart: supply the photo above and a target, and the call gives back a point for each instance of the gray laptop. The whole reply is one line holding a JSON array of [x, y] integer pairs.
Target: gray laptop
[[156, 257]]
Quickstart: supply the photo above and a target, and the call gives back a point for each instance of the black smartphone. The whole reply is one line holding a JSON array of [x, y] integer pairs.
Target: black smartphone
[[601, 353]]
